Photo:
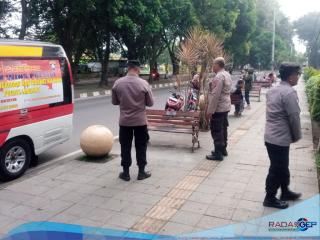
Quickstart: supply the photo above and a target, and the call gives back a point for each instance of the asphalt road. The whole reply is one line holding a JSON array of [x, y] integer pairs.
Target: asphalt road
[[97, 111]]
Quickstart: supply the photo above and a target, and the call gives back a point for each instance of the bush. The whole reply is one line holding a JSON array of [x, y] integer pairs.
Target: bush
[[310, 72], [315, 99], [312, 77]]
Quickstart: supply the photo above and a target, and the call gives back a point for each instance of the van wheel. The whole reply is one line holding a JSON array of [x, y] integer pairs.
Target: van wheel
[[15, 158]]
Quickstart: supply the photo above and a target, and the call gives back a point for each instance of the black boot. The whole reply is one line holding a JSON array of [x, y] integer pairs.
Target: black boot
[[125, 176], [216, 155], [271, 201], [288, 195], [224, 152], [143, 174]]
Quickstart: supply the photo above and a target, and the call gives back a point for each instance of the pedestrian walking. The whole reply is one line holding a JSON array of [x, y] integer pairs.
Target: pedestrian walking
[[133, 94], [248, 79], [219, 105], [282, 128]]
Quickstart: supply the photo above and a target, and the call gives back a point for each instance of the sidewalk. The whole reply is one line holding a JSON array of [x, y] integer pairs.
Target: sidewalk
[[185, 194]]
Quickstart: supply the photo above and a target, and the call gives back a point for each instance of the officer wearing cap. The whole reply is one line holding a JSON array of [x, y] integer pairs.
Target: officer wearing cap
[[282, 128], [133, 94], [219, 105]]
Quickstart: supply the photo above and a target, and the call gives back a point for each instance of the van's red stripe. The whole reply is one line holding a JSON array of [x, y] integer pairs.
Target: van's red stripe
[[3, 137], [34, 115]]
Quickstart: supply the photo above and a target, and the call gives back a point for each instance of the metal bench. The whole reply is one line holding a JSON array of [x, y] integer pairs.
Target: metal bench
[[175, 122], [265, 84]]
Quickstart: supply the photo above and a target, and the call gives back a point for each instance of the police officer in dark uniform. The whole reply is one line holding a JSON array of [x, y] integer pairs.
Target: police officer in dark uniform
[[282, 128]]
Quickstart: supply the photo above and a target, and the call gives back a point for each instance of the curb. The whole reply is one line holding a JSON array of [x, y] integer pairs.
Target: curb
[[107, 93]]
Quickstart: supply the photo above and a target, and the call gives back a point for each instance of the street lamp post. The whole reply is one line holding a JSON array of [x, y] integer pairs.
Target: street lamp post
[[273, 38]]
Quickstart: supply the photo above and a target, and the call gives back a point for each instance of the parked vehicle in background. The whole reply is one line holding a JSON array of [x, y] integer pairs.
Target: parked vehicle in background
[[36, 103], [94, 67], [117, 68]]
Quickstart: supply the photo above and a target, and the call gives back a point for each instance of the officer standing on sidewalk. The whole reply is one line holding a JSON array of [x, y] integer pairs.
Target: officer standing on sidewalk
[[133, 94], [248, 80], [219, 105], [282, 128]]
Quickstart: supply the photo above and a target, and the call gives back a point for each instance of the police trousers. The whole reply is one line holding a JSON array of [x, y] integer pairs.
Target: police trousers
[[140, 135], [219, 129], [279, 174]]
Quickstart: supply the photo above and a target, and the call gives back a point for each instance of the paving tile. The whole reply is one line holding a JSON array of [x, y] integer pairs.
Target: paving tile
[[79, 210], [37, 215], [64, 218], [6, 204], [73, 197], [243, 215], [55, 205], [23, 187], [115, 204], [55, 193], [137, 209], [148, 225], [195, 207], [94, 201], [6, 220], [107, 192], [18, 211], [220, 212], [251, 206], [88, 222], [187, 218], [254, 196], [161, 213], [16, 197], [99, 214], [172, 228], [171, 202], [123, 220], [202, 197], [179, 193], [226, 202], [207, 222], [4, 230]]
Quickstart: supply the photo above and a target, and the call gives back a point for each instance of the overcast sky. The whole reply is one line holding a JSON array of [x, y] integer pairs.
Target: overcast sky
[[295, 9]]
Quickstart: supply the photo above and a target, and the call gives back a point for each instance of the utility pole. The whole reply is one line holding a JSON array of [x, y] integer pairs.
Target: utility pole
[[273, 38]]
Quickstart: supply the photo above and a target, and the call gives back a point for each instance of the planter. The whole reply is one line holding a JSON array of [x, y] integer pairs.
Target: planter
[[315, 133], [316, 143]]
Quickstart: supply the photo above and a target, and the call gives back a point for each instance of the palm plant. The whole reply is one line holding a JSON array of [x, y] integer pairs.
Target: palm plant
[[200, 48]]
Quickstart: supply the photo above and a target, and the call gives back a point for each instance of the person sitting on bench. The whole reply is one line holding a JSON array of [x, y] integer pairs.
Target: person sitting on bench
[[240, 105]]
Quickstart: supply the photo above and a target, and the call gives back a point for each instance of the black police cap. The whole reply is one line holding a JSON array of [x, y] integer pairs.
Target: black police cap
[[133, 64], [290, 67]]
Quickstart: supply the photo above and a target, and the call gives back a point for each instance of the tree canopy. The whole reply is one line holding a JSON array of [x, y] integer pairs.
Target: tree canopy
[[145, 29], [308, 30]]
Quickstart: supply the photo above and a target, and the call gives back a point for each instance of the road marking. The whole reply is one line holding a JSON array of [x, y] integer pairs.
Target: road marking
[[96, 94], [83, 95]]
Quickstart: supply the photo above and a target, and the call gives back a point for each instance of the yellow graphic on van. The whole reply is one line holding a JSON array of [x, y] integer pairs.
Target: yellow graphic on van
[[20, 51]]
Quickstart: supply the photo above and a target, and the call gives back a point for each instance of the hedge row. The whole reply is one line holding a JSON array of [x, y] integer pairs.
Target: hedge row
[[312, 78]]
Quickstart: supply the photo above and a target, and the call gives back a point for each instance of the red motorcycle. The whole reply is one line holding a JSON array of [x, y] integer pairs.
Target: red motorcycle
[[155, 76], [175, 102]]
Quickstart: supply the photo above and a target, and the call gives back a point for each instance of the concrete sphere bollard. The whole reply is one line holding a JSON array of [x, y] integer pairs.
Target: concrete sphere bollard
[[96, 141], [202, 103]]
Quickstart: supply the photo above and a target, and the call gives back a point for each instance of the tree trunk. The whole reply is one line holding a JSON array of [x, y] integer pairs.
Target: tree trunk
[[24, 20], [105, 63], [175, 63]]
